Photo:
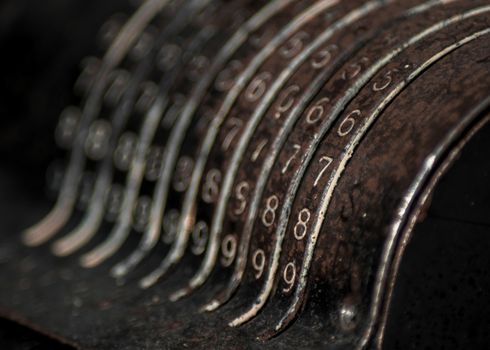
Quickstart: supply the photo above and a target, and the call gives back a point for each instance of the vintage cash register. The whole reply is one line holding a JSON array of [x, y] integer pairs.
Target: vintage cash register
[[245, 174]]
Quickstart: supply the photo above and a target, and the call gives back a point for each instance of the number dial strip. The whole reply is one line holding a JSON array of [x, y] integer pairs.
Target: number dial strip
[[305, 126], [266, 230], [251, 104], [209, 109], [306, 220]]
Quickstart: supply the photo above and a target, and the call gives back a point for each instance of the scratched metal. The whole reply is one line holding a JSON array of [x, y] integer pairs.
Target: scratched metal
[[359, 205], [469, 138], [301, 240], [266, 160]]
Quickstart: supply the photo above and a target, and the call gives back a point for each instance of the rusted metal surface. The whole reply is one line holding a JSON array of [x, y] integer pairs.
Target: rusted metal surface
[[247, 174]]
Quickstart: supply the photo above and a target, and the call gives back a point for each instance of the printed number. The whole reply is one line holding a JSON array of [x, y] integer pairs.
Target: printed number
[[197, 67], [294, 45], [168, 56], [228, 250], [286, 99], [258, 150], [269, 215], [207, 117], [348, 123], [301, 226], [97, 140], [174, 111], [327, 160], [226, 78], [236, 124], [354, 69], [258, 87], [142, 213], [154, 163], [317, 111], [387, 79], [289, 276], [120, 81], [114, 202], [210, 189], [241, 193], [258, 263], [199, 238], [170, 225], [183, 172], [148, 95], [297, 148], [323, 57], [67, 127], [124, 151]]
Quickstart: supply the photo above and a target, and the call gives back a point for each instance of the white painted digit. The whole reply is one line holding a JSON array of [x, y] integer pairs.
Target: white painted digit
[[388, 78], [258, 150], [297, 148], [123, 154], [323, 57], [141, 213], [199, 238], [294, 45], [258, 87], [98, 139], [317, 111], [258, 263], [286, 100], [289, 276], [154, 163], [301, 226], [183, 173], [327, 160], [170, 224], [236, 124], [241, 193], [197, 67], [168, 56], [210, 190], [174, 111], [226, 78], [148, 95], [114, 202], [269, 215], [354, 69], [348, 123], [120, 81], [228, 250]]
